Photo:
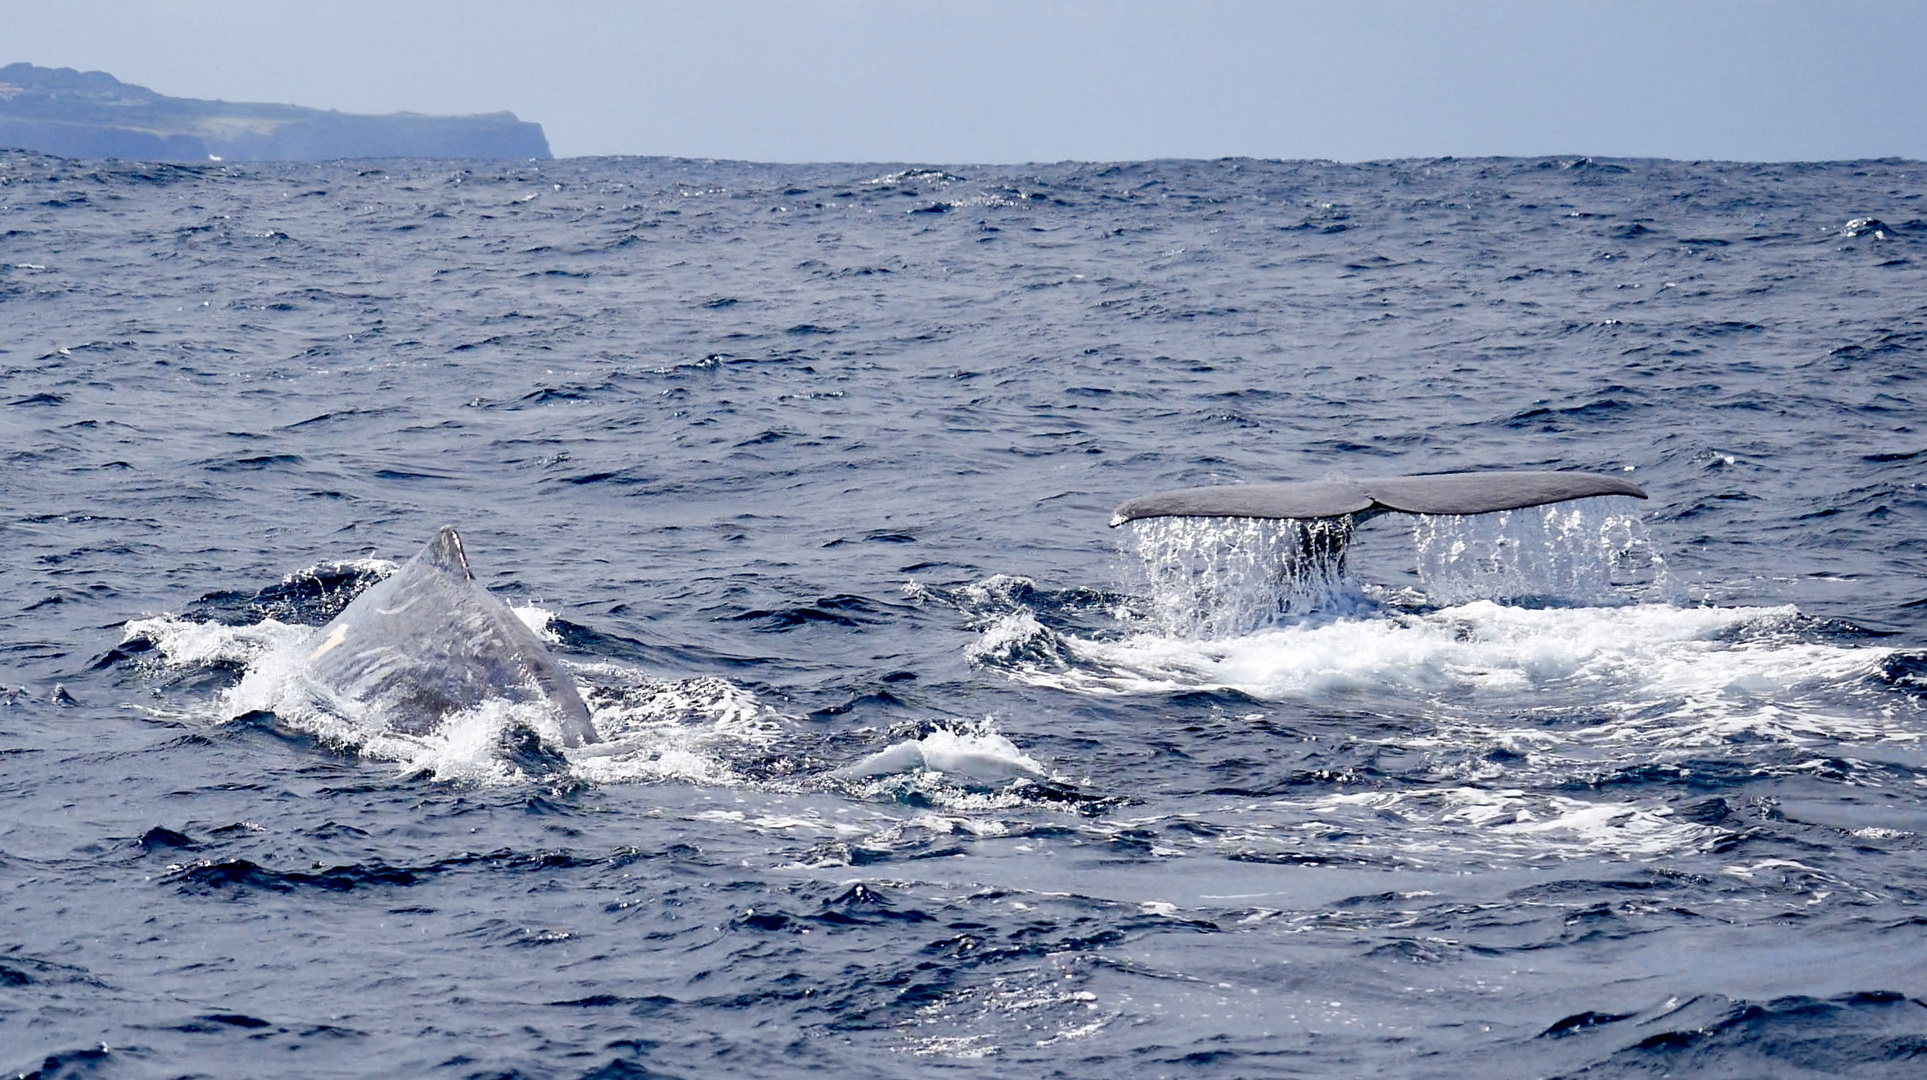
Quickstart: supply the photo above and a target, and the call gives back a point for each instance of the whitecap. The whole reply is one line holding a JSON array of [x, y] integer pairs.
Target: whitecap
[[981, 755]]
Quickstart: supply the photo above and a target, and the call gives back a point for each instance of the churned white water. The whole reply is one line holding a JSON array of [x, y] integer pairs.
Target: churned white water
[[651, 729]]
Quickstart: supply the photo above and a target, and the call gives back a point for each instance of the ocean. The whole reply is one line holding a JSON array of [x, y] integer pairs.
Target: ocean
[[910, 764]]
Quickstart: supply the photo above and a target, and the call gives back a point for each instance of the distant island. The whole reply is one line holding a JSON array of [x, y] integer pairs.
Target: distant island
[[91, 114]]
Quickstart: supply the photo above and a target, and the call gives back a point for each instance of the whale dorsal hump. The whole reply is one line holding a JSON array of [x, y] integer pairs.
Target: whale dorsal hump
[[1436, 493], [429, 640]]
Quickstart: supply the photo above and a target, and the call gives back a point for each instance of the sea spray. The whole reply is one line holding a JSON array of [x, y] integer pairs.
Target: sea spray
[[1575, 553], [1221, 577]]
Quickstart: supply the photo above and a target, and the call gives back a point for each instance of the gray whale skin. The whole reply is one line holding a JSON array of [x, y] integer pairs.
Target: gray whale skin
[[1436, 493], [428, 640]]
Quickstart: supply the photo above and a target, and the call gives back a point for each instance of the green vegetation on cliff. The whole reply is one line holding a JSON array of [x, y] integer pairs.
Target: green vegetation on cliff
[[92, 114]]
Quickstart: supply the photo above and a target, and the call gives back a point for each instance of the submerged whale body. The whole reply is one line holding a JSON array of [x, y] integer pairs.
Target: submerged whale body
[[1436, 493], [429, 640]]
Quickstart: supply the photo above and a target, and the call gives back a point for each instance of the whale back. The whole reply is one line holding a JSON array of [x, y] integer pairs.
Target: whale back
[[1437, 493], [429, 640]]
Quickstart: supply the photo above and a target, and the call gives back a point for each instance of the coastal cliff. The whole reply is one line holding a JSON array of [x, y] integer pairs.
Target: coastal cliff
[[92, 114]]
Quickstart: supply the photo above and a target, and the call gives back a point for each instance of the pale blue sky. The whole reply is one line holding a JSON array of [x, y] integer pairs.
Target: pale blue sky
[[998, 81]]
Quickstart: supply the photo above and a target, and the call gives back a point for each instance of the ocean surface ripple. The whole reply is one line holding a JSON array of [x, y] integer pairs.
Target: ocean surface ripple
[[909, 764]]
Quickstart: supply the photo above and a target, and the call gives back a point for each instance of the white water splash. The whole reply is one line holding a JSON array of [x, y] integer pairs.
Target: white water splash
[[684, 729], [1215, 577], [980, 754], [1016, 638], [181, 643], [1648, 673], [1572, 552], [652, 729], [1473, 820]]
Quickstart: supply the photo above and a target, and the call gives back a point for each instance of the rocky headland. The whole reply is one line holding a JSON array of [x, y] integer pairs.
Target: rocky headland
[[91, 114]]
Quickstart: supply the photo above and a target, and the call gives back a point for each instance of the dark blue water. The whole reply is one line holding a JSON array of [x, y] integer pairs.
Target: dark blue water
[[911, 764]]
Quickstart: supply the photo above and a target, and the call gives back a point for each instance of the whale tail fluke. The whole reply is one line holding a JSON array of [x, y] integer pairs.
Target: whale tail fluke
[[1437, 493]]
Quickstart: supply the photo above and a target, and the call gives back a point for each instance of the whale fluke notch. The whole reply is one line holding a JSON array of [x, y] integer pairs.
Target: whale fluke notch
[[428, 640], [1435, 493]]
